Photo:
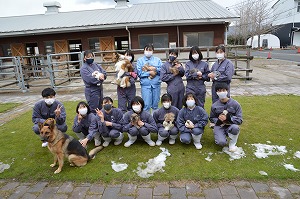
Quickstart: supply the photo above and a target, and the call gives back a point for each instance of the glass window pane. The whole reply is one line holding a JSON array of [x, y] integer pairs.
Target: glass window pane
[[160, 41], [190, 39], [206, 38], [49, 47], [94, 44], [6, 50], [144, 40]]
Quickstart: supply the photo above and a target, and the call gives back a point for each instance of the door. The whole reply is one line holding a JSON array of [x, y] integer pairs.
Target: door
[[18, 49], [61, 46], [107, 44]]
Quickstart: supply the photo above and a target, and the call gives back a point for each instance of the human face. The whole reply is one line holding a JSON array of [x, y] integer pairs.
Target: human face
[[148, 52], [89, 58], [82, 109], [49, 100], [107, 105]]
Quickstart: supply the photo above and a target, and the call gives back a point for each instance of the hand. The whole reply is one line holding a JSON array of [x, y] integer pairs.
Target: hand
[[211, 75], [177, 65], [152, 73], [84, 142], [141, 123], [152, 68], [222, 117], [101, 76], [100, 114], [199, 73], [133, 74], [57, 111], [79, 118], [108, 123]]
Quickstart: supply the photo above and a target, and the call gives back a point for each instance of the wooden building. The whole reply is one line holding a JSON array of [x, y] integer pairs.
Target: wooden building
[[165, 24]]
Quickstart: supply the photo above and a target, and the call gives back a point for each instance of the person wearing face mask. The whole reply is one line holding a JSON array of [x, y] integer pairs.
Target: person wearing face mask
[[148, 69], [196, 72], [159, 118], [191, 121], [172, 72], [221, 71], [125, 95], [226, 114], [49, 107], [143, 126], [93, 76], [110, 122], [85, 125]]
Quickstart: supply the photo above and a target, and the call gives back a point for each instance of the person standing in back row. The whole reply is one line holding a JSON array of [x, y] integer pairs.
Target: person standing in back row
[[221, 71], [93, 76]]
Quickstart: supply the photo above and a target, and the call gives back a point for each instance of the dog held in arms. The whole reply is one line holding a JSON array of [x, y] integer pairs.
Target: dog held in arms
[[122, 67], [169, 121], [62, 145]]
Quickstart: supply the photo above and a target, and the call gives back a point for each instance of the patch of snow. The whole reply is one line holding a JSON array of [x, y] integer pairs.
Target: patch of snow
[[13, 132], [290, 139], [153, 165], [297, 154], [3, 167], [264, 150], [208, 159], [290, 167], [238, 154], [263, 173], [117, 167], [269, 142]]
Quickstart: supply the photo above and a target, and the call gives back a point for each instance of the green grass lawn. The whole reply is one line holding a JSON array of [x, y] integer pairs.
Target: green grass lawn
[[266, 118], [7, 106]]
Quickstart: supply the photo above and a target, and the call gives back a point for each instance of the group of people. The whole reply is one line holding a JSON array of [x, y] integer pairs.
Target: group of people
[[182, 112]]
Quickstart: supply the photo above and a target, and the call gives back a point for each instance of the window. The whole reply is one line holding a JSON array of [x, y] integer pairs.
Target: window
[[298, 8], [94, 44], [158, 40], [49, 47], [6, 50], [198, 39]]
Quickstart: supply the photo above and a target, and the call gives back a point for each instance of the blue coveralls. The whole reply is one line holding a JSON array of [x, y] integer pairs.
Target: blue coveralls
[[175, 84], [93, 87], [146, 117], [116, 117], [158, 117], [41, 112], [233, 108], [194, 84], [125, 95], [199, 118], [226, 70], [150, 88], [88, 126]]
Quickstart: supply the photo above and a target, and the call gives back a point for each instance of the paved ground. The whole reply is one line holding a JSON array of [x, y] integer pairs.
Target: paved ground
[[269, 77]]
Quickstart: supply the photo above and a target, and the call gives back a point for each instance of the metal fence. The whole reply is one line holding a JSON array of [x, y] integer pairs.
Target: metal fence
[[60, 70]]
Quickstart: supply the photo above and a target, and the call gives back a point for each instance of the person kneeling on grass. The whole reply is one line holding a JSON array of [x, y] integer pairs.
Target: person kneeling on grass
[[49, 107], [139, 122], [110, 122], [85, 125], [226, 114], [191, 121], [165, 119]]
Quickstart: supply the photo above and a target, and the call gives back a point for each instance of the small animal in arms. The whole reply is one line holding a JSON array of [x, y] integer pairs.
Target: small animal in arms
[[147, 67], [169, 121], [134, 119], [122, 67]]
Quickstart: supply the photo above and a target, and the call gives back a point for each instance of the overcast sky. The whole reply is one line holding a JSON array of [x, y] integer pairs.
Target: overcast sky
[[29, 7]]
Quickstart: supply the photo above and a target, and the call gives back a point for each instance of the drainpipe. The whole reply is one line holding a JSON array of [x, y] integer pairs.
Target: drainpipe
[[129, 38]]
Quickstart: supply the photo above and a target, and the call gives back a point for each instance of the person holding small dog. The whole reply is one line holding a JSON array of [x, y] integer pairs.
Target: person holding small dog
[[148, 69], [110, 122], [165, 119], [172, 72], [138, 122], [221, 71], [49, 107], [93, 76], [226, 114], [125, 95], [85, 125], [196, 72], [191, 121]]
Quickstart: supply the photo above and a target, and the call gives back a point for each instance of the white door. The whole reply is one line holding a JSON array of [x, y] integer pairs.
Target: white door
[[296, 40]]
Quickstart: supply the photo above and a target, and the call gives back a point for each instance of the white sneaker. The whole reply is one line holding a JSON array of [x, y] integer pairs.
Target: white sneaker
[[158, 142], [106, 143], [233, 148], [97, 142], [171, 141], [150, 143], [44, 144], [198, 145]]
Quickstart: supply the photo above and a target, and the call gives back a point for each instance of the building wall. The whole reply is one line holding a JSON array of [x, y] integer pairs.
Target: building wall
[[285, 12], [218, 30], [284, 33]]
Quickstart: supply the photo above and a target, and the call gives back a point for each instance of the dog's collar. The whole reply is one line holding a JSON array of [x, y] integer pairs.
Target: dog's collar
[[57, 139]]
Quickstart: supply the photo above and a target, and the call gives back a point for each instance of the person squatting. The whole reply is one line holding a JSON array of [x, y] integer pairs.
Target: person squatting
[[182, 113]]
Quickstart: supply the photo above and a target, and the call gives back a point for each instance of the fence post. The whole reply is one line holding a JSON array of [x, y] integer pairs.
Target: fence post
[[20, 75], [248, 63], [50, 70]]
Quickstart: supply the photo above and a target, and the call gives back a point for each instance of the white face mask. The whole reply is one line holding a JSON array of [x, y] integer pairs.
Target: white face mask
[[129, 58], [222, 95], [195, 56], [148, 53], [136, 108], [82, 111], [166, 105], [49, 101], [220, 55], [190, 103]]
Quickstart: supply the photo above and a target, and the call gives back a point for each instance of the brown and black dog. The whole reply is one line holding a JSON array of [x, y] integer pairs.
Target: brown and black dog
[[63, 145]]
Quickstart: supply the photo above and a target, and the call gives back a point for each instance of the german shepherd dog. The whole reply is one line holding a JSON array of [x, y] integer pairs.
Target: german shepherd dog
[[63, 145]]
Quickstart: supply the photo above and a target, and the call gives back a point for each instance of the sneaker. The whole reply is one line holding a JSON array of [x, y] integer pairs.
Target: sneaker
[[97, 142], [198, 145], [211, 125], [158, 143], [106, 143], [150, 143], [233, 148], [44, 144]]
